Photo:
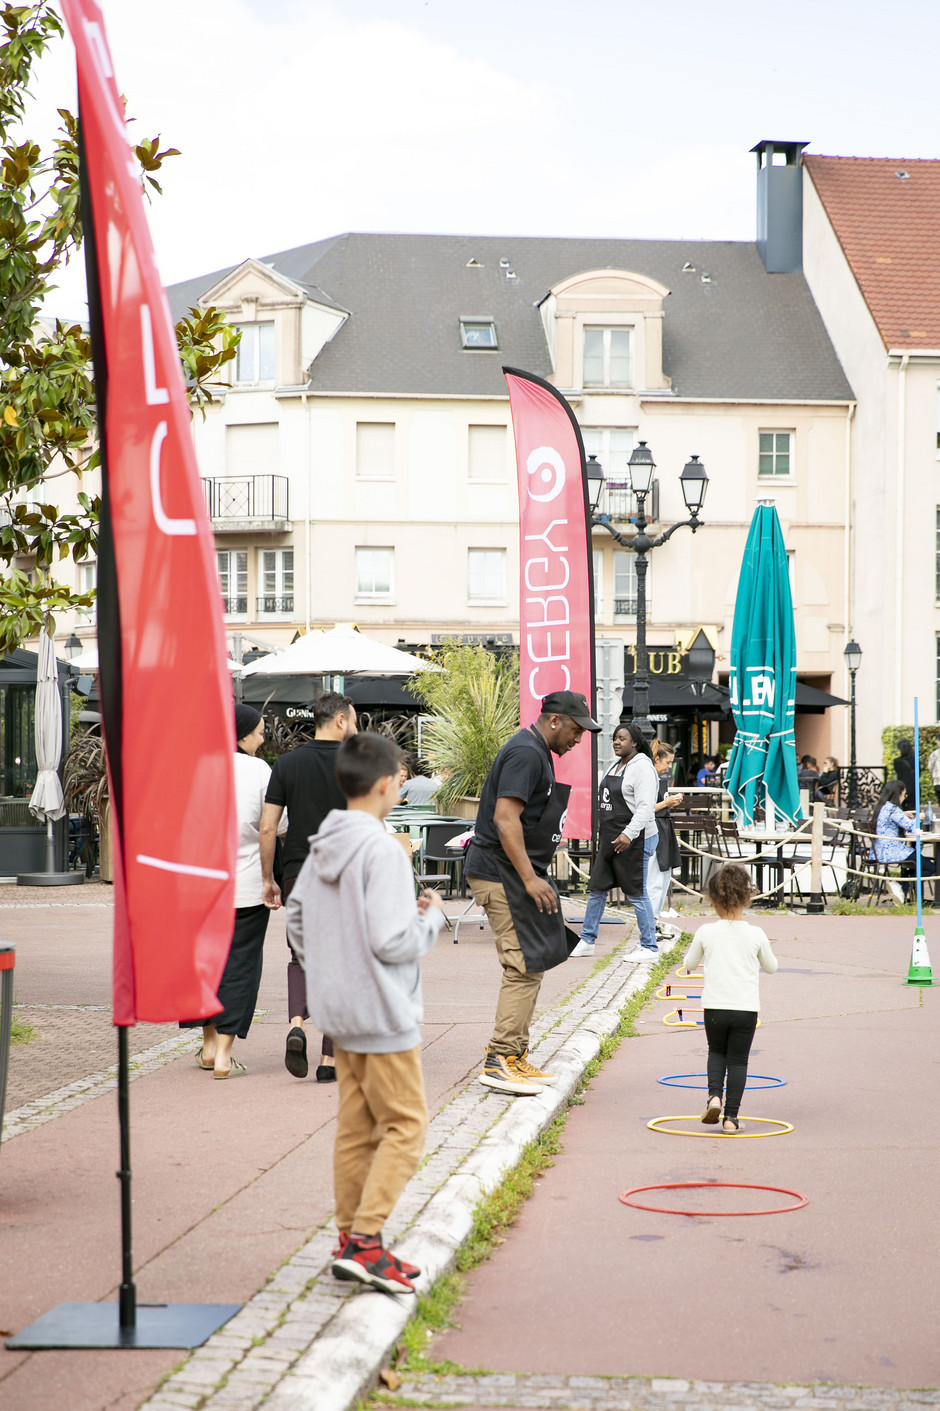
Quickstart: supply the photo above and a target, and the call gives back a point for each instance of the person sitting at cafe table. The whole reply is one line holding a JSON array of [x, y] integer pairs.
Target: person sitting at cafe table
[[827, 785], [889, 819], [808, 773], [518, 827], [708, 773]]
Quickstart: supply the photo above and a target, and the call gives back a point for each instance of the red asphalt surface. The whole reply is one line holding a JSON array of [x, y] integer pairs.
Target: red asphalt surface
[[845, 1290], [229, 1179]]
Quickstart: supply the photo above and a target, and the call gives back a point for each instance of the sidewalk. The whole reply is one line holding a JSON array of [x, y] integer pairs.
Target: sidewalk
[[844, 1291], [229, 1181]]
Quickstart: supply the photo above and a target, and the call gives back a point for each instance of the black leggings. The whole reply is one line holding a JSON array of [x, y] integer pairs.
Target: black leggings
[[729, 1033]]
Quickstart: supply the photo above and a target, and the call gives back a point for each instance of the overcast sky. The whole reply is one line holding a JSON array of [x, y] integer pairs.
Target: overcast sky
[[299, 119]]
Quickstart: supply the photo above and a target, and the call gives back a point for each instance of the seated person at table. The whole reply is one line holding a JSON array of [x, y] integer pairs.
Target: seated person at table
[[708, 772], [888, 820], [418, 789], [827, 785], [808, 774]]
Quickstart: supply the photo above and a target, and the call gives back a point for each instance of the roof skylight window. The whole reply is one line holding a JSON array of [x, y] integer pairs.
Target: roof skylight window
[[478, 333]]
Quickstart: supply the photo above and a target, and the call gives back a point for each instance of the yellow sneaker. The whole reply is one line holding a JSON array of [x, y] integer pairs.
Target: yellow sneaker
[[528, 1070]]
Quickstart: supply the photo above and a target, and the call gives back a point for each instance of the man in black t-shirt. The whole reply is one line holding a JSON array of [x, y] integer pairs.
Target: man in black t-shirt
[[516, 794], [304, 782]]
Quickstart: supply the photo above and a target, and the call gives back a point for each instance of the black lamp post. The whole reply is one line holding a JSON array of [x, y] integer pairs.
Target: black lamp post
[[853, 660], [694, 483]]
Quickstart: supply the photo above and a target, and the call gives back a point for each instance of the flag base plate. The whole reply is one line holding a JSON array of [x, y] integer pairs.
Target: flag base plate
[[97, 1325], [49, 879]]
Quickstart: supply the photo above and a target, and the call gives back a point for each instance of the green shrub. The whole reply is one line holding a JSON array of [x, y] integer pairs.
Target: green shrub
[[474, 707], [891, 737]]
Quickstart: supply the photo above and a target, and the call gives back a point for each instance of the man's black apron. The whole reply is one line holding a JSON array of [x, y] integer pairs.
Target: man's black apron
[[616, 869], [544, 939]]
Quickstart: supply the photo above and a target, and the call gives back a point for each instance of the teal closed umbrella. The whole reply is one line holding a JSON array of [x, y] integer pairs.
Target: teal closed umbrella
[[762, 764]]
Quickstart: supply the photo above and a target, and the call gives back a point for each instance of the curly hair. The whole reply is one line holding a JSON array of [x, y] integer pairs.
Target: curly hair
[[730, 888]]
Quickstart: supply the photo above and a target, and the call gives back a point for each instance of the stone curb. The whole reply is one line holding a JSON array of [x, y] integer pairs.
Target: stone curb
[[307, 1343], [344, 1362]]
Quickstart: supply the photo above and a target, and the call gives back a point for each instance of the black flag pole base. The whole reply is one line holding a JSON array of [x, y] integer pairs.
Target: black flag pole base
[[184, 1325], [50, 879]]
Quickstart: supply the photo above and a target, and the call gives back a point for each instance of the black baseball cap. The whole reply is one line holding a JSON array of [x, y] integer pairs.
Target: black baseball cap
[[573, 704]]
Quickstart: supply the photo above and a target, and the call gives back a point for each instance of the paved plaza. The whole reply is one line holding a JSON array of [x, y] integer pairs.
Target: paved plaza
[[587, 1303]]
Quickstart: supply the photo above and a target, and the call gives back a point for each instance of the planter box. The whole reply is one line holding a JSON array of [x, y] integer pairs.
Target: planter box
[[465, 808], [24, 849]]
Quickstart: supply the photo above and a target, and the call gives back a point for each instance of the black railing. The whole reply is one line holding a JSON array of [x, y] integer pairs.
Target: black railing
[[234, 605], [626, 607], [870, 780], [619, 501], [270, 604], [247, 497]]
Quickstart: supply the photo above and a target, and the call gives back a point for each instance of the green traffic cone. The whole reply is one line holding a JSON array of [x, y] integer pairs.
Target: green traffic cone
[[919, 971]]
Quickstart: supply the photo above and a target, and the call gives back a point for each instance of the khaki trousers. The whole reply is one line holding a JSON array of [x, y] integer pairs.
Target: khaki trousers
[[520, 988], [380, 1131]]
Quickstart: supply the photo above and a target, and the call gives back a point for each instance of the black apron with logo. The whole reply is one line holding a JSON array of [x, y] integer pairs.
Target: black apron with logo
[[615, 869], [544, 939]]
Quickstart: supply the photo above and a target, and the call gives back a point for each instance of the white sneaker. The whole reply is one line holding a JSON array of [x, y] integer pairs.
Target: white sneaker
[[671, 912], [895, 890], [581, 950], [644, 956]]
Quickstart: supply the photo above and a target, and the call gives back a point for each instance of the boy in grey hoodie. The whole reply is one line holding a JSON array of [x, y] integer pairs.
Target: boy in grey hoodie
[[354, 924]]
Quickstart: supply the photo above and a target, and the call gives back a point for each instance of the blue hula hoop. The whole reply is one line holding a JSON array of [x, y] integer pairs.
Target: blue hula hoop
[[755, 1081]]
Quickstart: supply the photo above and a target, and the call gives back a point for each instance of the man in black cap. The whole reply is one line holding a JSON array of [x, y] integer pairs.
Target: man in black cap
[[519, 825]]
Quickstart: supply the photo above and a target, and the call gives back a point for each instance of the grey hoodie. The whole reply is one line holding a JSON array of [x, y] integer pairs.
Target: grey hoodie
[[353, 922]]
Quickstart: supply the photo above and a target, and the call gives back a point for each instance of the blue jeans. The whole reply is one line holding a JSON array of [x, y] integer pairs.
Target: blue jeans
[[642, 906]]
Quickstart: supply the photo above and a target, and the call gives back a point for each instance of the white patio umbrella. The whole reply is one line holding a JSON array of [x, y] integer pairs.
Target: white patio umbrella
[[88, 661], [48, 802], [343, 651]]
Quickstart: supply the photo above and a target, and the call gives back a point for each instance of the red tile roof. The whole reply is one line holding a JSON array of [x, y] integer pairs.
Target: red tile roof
[[886, 216]]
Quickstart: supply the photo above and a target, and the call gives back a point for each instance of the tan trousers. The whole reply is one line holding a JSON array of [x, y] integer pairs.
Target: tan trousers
[[520, 988], [380, 1131]]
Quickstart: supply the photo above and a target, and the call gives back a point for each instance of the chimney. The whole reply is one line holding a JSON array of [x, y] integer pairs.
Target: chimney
[[780, 206]]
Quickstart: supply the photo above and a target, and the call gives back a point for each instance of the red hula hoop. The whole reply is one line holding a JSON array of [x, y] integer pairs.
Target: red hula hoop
[[708, 1185]]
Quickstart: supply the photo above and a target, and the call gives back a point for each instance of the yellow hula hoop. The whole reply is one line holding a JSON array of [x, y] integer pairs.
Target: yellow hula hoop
[[681, 1023], [663, 994], [782, 1128], [685, 974]]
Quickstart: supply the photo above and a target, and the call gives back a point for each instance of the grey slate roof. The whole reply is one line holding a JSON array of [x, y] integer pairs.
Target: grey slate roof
[[745, 333]]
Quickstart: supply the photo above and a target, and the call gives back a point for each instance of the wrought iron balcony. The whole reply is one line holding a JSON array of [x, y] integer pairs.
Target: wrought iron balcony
[[248, 502], [626, 607], [619, 501], [273, 605], [234, 606]]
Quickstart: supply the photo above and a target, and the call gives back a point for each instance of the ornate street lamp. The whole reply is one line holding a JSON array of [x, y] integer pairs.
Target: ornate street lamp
[[694, 483], [853, 660]]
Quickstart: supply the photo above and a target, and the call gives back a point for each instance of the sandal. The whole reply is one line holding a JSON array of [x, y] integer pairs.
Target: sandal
[[237, 1070], [713, 1111], [201, 1059], [735, 1123]]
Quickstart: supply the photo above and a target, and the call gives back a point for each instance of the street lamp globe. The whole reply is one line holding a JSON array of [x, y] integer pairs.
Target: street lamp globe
[[694, 483], [853, 656], [595, 481], [641, 466]]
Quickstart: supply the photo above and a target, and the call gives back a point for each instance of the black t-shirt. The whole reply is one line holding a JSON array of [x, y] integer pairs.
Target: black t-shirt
[[521, 770], [304, 781]]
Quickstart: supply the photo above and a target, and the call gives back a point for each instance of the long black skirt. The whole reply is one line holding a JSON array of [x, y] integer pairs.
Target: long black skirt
[[241, 978]]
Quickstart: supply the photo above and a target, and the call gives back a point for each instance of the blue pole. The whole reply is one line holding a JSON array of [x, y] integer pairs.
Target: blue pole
[[917, 812]]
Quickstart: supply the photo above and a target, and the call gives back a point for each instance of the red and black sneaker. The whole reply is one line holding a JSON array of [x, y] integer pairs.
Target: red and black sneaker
[[367, 1262], [410, 1271]]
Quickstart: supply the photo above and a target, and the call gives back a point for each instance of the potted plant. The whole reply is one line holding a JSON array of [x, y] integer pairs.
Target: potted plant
[[473, 705]]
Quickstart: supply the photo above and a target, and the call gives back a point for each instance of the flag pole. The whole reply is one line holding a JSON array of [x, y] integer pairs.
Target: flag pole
[[127, 1296]]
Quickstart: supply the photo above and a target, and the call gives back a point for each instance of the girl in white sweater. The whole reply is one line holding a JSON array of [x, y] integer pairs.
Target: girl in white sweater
[[734, 953]]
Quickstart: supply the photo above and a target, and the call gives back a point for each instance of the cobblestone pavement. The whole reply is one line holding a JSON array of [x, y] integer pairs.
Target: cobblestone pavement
[[274, 1351], [545, 1393], [75, 1042]]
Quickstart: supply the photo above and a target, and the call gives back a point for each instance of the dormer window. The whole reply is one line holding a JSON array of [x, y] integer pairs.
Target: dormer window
[[478, 333], [255, 359], [607, 357]]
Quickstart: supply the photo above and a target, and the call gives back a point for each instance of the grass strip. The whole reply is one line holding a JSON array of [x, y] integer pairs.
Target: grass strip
[[434, 1310], [22, 1033]]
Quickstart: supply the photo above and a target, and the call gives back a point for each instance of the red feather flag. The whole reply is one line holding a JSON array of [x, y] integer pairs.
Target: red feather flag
[[165, 688], [556, 590]]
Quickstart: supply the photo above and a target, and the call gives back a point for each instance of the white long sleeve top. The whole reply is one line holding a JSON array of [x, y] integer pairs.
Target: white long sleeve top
[[641, 793], [734, 954]]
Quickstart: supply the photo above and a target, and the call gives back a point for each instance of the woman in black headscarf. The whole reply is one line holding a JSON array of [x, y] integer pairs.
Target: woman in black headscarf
[[241, 979]]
